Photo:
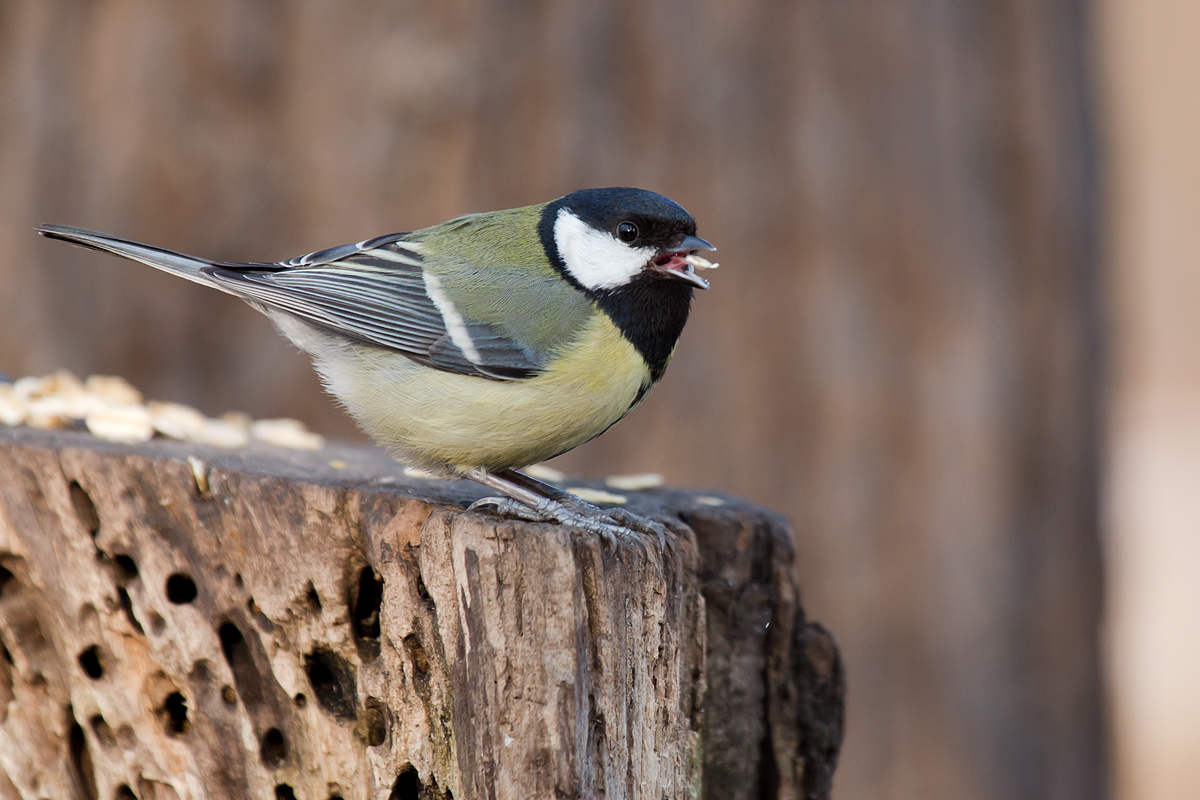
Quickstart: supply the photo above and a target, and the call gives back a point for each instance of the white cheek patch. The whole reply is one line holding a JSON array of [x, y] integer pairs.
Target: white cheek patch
[[597, 259]]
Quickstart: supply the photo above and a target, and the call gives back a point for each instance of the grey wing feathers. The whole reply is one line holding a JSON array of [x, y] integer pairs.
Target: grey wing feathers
[[373, 291], [388, 308], [496, 356], [378, 295]]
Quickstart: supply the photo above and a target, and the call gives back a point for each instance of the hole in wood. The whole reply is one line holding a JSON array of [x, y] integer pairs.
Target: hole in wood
[[81, 758], [422, 591], [200, 672], [417, 652], [367, 606], [127, 607], [126, 737], [7, 581], [126, 566], [333, 684], [102, 731], [124, 793], [407, 785], [374, 723], [181, 589], [85, 509], [231, 639], [260, 619], [284, 792], [174, 714], [90, 663], [241, 663], [313, 600], [273, 750], [768, 770], [300, 700]]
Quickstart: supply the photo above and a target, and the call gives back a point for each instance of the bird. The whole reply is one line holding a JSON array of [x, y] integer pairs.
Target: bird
[[481, 345]]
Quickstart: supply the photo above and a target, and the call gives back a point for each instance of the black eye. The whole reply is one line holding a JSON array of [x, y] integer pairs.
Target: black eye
[[627, 231]]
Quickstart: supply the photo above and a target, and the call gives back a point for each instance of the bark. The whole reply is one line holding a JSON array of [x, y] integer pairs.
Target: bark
[[267, 623]]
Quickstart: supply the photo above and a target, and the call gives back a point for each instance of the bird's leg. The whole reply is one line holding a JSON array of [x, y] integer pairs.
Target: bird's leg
[[544, 507], [617, 516]]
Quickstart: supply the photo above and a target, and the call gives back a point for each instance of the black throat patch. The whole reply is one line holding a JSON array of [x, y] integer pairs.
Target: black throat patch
[[650, 312]]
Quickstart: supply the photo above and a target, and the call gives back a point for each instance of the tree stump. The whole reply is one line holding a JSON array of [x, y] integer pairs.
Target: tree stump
[[184, 622]]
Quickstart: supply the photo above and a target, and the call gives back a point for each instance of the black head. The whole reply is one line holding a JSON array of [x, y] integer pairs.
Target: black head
[[634, 216], [628, 249], [602, 239]]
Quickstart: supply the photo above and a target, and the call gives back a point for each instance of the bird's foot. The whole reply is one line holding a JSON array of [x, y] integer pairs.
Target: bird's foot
[[637, 523], [530, 499], [507, 507], [617, 516], [548, 510]]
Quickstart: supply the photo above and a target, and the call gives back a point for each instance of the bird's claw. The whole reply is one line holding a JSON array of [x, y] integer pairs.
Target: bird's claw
[[507, 507], [609, 527], [529, 499], [633, 522]]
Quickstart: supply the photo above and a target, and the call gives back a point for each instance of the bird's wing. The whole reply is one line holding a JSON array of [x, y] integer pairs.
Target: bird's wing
[[377, 291]]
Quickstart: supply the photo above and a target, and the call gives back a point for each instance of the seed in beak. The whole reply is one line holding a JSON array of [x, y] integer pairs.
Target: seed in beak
[[699, 262]]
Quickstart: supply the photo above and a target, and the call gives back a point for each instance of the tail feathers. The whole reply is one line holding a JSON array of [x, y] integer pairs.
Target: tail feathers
[[168, 260]]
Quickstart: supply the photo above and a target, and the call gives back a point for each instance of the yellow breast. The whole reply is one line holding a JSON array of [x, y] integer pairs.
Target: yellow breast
[[437, 419]]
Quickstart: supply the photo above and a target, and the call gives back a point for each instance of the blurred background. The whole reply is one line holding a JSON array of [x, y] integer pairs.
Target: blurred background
[[954, 335]]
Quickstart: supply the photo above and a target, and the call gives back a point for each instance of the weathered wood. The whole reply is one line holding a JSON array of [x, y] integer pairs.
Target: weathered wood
[[266, 623]]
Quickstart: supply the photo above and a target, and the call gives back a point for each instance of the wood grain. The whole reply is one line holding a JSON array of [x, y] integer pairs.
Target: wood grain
[[282, 625]]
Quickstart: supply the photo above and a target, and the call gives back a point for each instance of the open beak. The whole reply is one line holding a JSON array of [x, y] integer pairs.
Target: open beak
[[680, 262]]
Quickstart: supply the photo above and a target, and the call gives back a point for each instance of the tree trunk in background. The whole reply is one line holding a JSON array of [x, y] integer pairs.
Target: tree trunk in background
[[899, 349]]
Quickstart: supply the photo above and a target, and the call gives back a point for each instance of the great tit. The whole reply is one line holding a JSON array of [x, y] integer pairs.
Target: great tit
[[488, 342]]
